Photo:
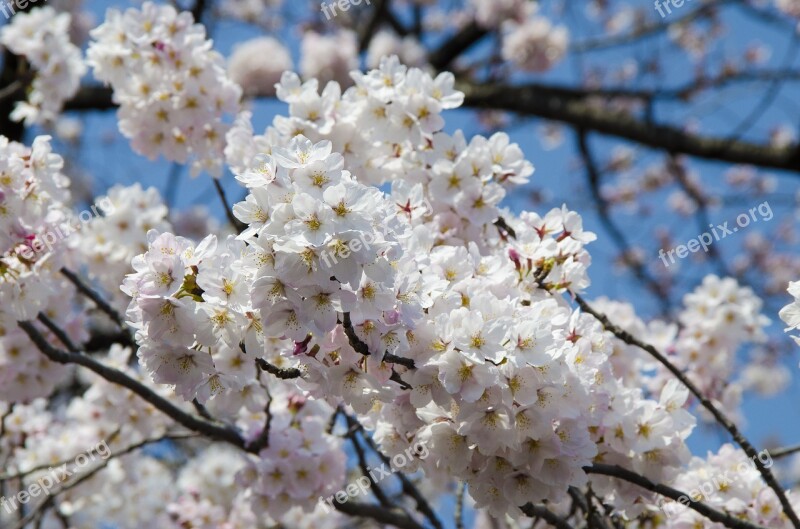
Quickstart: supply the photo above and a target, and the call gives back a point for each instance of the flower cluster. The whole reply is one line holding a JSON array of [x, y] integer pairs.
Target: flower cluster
[[535, 45], [109, 243], [302, 461], [719, 317], [33, 197], [329, 57], [171, 86], [42, 37], [247, 67], [730, 482], [791, 312], [509, 389]]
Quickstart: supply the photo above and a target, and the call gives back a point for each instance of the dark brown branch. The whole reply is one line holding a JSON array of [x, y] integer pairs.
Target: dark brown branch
[[441, 58], [378, 513], [236, 223], [114, 376], [569, 107], [262, 441], [284, 373], [57, 331], [639, 270], [584, 504], [408, 488], [376, 16], [375, 487], [783, 452], [98, 300], [92, 97], [545, 514], [361, 348], [674, 494]]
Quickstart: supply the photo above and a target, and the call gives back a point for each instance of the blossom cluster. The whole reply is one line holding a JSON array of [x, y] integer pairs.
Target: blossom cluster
[[510, 389], [171, 86], [718, 319], [376, 271], [790, 314], [730, 482], [109, 243], [33, 200], [42, 37]]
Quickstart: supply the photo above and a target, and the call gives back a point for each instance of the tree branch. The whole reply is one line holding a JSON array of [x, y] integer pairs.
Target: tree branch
[[660, 292], [408, 488], [712, 514], [112, 375], [284, 373], [441, 58], [98, 300], [720, 417], [568, 106], [378, 513], [545, 514]]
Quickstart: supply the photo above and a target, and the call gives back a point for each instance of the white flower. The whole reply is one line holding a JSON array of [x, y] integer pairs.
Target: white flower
[[257, 65]]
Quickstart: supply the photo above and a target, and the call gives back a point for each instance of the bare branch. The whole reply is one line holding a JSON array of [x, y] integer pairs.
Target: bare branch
[[93, 295], [236, 223], [284, 373], [783, 452], [569, 107], [545, 514], [441, 58], [660, 292], [378, 513]]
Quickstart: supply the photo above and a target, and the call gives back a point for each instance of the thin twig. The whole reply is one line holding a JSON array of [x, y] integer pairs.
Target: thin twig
[[459, 514], [783, 452], [58, 332], [660, 292], [545, 514], [236, 223], [378, 513], [90, 293], [362, 463], [284, 373], [262, 441]]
